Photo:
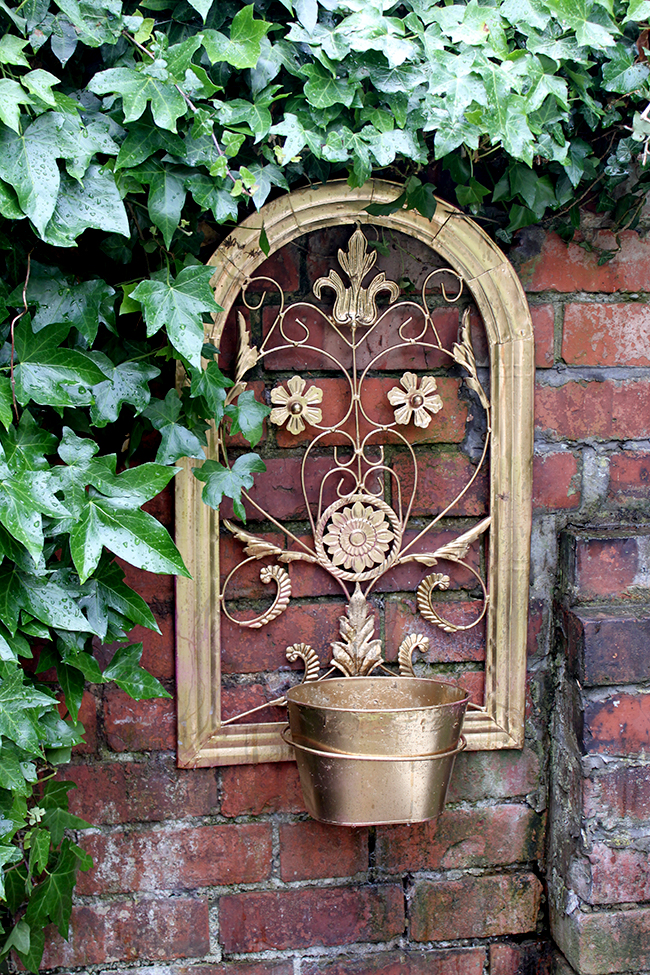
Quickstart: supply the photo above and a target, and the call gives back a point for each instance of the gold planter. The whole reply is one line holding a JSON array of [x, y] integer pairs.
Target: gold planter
[[375, 750]]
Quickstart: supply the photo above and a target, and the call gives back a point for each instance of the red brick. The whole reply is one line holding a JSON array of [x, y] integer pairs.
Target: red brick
[[253, 650], [441, 477], [149, 585], [608, 645], [124, 792], [311, 851], [88, 718], [454, 961], [556, 481], [406, 578], [527, 959], [606, 335], [251, 790], [279, 489], [606, 941], [543, 317], [494, 775], [403, 617], [462, 838], [308, 916], [154, 930], [323, 349], [607, 566], [244, 697], [246, 582], [447, 426], [178, 859], [622, 793], [618, 726], [283, 267], [157, 648], [608, 410], [618, 876], [138, 725], [629, 476], [563, 268], [475, 907]]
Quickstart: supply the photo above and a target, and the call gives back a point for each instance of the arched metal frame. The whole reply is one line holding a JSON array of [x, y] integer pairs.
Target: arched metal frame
[[498, 294]]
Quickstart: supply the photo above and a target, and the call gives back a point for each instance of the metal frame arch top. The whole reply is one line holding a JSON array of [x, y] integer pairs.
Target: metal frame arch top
[[203, 740]]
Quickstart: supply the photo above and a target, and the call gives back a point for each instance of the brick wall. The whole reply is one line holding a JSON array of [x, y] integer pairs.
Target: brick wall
[[220, 872]]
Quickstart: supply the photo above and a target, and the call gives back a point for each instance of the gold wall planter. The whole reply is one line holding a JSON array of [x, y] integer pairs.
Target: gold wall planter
[[359, 536]]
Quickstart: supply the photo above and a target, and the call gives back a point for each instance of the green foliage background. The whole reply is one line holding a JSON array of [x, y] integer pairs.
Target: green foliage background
[[131, 137]]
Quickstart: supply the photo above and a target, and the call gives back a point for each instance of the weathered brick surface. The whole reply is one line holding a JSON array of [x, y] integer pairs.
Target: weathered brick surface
[[462, 838], [606, 941], [403, 617], [619, 725], [454, 961], [629, 476], [622, 793], [250, 790], [88, 717], [123, 792], [266, 967], [558, 267], [177, 859], [608, 645], [494, 775], [556, 481], [527, 959], [596, 334], [152, 929], [441, 477], [607, 410], [608, 565], [138, 725], [618, 876], [312, 850], [310, 916], [475, 907]]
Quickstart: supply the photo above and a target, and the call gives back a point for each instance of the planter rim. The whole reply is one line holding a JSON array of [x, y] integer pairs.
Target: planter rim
[[294, 695]]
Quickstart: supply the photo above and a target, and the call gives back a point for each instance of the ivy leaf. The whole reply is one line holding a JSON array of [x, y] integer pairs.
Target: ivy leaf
[[39, 850], [177, 441], [59, 301], [72, 683], [137, 89], [40, 83], [124, 670], [323, 90], [143, 138], [243, 48], [97, 22], [208, 194], [51, 900], [12, 96], [220, 480], [129, 383], [122, 598], [210, 383], [51, 604], [622, 74], [50, 375], [248, 417], [11, 50], [94, 203], [28, 163], [179, 305], [202, 7], [166, 199]]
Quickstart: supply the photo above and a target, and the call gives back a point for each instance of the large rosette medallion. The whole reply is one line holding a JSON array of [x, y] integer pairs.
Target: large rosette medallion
[[358, 536]]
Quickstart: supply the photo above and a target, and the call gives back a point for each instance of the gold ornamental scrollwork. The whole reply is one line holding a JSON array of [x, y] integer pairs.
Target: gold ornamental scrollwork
[[367, 529]]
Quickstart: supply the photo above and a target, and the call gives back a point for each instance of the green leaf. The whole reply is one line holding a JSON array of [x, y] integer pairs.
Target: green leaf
[[124, 670], [6, 402], [638, 10], [11, 50], [19, 938], [93, 203], [220, 480], [51, 900], [143, 139], [179, 306], [12, 96], [137, 89], [210, 195], [51, 375], [202, 7], [248, 417], [28, 163], [622, 73], [40, 83], [11, 774], [166, 199], [97, 22], [210, 383], [122, 598], [72, 683], [243, 48], [10, 597], [59, 300], [129, 383], [51, 604], [323, 90], [39, 850], [177, 441]]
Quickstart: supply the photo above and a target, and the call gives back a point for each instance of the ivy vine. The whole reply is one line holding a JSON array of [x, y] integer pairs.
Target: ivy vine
[[131, 137]]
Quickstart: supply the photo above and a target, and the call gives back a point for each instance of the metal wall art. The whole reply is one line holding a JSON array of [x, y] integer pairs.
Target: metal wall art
[[358, 510]]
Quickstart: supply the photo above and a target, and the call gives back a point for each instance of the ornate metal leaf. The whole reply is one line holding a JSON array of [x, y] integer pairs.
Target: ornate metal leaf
[[464, 355], [357, 653], [408, 646], [255, 548], [308, 656], [247, 354]]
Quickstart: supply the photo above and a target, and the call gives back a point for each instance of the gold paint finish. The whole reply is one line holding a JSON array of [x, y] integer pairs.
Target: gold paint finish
[[361, 535]]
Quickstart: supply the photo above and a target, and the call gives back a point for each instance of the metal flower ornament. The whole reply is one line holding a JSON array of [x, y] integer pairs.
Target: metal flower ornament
[[362, 532]]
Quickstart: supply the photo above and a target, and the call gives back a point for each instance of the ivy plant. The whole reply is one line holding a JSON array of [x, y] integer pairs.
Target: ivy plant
[[132, 136]]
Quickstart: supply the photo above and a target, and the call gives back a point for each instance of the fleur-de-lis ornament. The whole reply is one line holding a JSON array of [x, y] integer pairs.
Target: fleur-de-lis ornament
[[356, 305]]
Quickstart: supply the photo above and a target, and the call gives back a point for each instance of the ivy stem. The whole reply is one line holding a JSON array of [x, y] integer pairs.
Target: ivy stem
[[190, 104], [15, 319]]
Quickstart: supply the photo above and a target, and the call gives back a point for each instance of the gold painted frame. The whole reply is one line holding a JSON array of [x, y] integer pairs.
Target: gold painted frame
[[497, 292]]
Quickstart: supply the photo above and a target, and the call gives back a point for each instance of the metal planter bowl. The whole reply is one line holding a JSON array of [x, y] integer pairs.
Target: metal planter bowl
[[375, 750]]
